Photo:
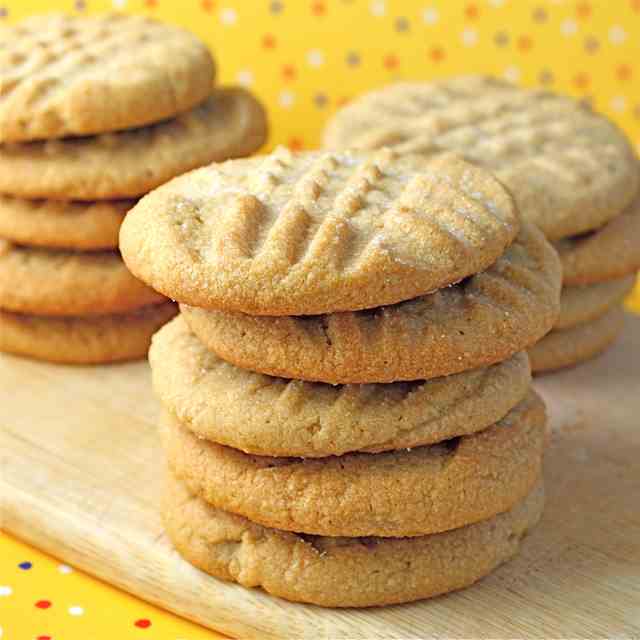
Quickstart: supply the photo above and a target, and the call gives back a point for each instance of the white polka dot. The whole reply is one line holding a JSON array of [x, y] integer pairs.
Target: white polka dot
[[119, 4], [497, 3], [512, 74], [5, 591], [378, 8], [315, 58], [76, 611], [245, 77], [569, 27], [617, 35], [469, 37], [1, 632], [286, 99], [228, 16], [64, 569], [430, 15], [618, 103]]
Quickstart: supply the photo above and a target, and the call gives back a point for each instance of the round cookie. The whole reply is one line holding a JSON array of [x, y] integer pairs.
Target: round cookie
[[609, 253], [342, 572], [276, 417], [583, 304], [83, 340], [439, 487], [569, 169], [68, 283], [55, 224], [483, 320], [317, 232], [66, 75], [568, 347], [128, 164]]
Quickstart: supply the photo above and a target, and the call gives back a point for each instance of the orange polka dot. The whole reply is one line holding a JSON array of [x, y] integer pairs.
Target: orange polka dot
[[635, 5], [624, 72], [583, 10], [472, 11], [525, 43], [207, 5], [391, 62], [318, 8], [342, 100], [268, 42], [288, 72], [295, 144], [151, 4], [437, 54], [581, 80]]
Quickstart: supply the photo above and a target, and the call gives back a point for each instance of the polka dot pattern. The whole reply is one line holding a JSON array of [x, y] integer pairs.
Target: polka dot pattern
[[306, 58]]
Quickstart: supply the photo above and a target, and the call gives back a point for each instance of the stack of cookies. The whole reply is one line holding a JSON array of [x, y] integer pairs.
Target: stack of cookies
[[571, 172], [348, 413], [95, 112]]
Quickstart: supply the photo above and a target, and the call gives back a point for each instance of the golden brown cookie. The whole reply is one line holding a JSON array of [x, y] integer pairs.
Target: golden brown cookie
[[84, 226], [482, 320], [127, 164], [68, 283], [276, 417], [568, 347], [609, 253], [569, 169], [65, 75], [317, 232], [583, 304], [83, 340], [396, 493], [342, 572]]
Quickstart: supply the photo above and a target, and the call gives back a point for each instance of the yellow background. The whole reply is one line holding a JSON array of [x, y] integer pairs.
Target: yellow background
[[304, 58]]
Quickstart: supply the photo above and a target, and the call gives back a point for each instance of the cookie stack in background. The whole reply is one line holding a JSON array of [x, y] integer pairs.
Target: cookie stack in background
[[397, 455], [95, 112], [571, 172]]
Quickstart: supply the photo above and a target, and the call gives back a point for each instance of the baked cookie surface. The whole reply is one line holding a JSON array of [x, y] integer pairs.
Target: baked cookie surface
[[83, 340], [583, 304], [483, 320], [315, 232], [568, 347], [68, 283], [269, 416], [321, 570], [84, 226], [128, 164], [609, 253], [66, 75], [397, 493], [569, 169]]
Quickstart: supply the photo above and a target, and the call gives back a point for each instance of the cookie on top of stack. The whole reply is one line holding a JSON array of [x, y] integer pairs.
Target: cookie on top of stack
[[95, 112], [348, 418], [570, 171]]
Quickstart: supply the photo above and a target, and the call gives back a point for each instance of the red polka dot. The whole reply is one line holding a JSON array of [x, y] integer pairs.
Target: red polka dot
[[268, 42], [44, 638], [43, 604], [143, 623]]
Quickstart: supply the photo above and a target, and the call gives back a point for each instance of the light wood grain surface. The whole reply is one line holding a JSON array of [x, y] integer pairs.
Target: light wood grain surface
[[80, 476]]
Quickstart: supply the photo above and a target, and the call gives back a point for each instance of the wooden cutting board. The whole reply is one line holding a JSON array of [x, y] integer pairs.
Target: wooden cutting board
[[81, 470]]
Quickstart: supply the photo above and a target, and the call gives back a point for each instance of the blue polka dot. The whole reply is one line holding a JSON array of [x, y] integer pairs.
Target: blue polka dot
[[25, 566]]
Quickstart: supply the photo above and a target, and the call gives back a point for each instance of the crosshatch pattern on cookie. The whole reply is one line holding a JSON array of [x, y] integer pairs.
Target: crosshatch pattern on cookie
[[568, 169], [69, 75], [316, 232]]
